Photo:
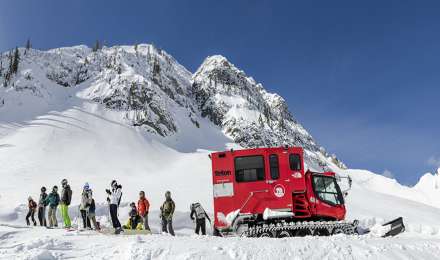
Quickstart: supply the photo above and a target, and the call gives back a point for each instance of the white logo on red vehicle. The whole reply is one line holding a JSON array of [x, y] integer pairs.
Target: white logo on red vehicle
[[297, 175], [279, 191]]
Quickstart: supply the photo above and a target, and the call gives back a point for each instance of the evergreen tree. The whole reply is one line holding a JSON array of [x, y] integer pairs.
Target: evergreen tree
[[28, 44], [132, 95], [1, 64], [97, 46], [15, 61], [8, 72]]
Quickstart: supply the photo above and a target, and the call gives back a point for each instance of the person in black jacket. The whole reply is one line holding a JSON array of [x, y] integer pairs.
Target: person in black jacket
[[199, 214], [42, 204], [66, 197]]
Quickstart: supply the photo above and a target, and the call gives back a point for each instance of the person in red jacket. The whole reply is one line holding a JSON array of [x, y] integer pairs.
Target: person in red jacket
[[32, 205], [143, 208]]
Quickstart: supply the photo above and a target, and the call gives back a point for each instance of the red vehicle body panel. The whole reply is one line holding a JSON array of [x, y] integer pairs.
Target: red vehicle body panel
[[292, 191]]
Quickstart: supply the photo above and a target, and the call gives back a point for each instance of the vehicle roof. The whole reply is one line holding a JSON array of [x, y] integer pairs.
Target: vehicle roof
[[263, 149]]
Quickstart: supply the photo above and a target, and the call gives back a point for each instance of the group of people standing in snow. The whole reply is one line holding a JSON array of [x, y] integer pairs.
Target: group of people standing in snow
[[138, 215], [51, 200]]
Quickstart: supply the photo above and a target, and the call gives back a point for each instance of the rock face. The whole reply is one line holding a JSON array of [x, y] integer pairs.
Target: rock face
[[247, 113], [149, 87]]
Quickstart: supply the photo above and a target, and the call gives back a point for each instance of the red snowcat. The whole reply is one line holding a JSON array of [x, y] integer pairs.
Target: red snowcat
[[267, 192]]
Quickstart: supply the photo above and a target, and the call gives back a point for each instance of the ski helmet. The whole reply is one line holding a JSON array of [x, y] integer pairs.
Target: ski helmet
[[86, 186], [43, 189], [113, 183], [64, 182], [168, 194], [132, 205], [29, 198]]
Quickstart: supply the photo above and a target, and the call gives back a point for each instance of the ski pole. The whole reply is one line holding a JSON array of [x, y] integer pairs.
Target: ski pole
[[77, 217]]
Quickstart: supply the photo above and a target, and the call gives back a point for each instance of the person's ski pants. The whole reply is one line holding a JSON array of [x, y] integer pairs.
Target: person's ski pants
[[52, 215], [31, 214], [167, 226], [85, 219], [201, 224], [42, 216], [145, 222], [114, 216], [65, 215]]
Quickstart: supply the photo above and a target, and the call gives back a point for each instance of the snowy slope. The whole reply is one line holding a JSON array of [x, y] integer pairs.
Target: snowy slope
[[427, 190], [135, 115]]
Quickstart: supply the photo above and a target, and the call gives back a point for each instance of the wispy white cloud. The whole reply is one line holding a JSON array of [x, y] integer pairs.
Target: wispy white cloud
[[388, 174], [434, 161]]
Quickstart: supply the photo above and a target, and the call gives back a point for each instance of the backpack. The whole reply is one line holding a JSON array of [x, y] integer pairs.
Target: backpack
[[119, 200], [92, 206], [200, 212], [69, 195]]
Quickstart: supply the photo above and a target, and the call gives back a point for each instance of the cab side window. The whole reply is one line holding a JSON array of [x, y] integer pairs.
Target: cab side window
[[274, 167], [249, 168], [295, 162]]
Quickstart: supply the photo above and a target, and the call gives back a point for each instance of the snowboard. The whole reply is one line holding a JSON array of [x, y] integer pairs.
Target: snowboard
[[126, 232]]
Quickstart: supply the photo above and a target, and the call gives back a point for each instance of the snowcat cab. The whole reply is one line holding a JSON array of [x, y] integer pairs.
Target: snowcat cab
[[267, 192]]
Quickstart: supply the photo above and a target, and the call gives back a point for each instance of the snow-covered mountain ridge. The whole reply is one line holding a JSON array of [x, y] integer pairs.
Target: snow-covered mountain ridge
[[155, 92]]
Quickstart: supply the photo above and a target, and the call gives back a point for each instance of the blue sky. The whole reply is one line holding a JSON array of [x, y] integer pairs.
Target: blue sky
[[362, 76]]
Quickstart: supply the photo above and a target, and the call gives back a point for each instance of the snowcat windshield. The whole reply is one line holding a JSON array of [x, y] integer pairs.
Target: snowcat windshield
[[327, 190]]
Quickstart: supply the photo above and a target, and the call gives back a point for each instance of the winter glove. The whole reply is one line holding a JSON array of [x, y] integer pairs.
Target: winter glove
[[108, 199], [108, 191], [170, 217]]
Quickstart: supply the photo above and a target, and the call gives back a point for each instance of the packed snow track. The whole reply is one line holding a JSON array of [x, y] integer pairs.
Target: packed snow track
[[39, 243]]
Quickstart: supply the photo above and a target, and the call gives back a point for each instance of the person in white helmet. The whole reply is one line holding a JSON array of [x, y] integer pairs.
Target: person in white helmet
[[114, 199]]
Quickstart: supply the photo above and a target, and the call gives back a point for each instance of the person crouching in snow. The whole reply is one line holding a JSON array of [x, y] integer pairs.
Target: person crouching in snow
[[143, 208], [32, 205], [166, 214], [86, 200], [114, 200], [53, 200], [199, 214], [66, 198], [134, 220]]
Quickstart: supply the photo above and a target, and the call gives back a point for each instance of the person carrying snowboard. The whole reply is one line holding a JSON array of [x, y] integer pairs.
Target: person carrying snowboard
[[53, 199], [199, 215], [66, 198], [32, 205], [143, 208], [86, 201], [42, 207], [114, 199], [134, 220], [166, 214]]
